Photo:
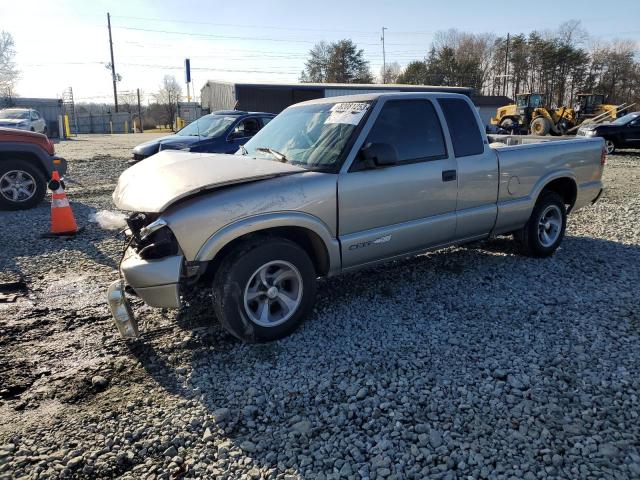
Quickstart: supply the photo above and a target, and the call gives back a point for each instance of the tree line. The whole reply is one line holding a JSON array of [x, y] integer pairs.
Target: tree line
[[559, 64]]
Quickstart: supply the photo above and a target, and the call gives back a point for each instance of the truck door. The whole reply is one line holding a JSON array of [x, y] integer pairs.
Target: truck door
[[631, 134], [478, 177], [402, 208]]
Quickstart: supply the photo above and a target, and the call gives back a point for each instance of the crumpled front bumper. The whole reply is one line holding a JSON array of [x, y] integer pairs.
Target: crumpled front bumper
[[156, 282]]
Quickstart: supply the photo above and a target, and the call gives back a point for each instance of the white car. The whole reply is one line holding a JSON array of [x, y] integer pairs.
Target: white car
[[23, 119]]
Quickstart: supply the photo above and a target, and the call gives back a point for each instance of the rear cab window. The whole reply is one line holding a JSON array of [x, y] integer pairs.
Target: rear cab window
[[412, 127], [463, 127]]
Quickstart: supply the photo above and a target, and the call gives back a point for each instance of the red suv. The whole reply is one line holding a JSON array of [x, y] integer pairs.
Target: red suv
[[26, 162]]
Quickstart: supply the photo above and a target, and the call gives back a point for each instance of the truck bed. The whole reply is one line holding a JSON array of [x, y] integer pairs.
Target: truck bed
[[528, 162], [500, 141]]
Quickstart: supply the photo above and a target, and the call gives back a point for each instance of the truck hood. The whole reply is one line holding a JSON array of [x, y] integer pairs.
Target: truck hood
[[155, 183], [12, 121], [175, 141]]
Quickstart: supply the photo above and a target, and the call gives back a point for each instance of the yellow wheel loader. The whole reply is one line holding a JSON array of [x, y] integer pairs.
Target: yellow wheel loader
[[530, 114], [591, 106]]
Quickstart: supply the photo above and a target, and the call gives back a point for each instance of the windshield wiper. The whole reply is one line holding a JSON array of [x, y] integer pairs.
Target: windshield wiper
[[279, 156]]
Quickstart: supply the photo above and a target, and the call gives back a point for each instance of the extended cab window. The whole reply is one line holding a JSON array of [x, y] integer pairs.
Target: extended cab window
[[247, 128], [412, 127], [463, 127]]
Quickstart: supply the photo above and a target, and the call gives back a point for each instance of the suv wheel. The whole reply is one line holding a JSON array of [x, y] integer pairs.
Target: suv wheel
[[264, 289], [544, 231], [22, 185]]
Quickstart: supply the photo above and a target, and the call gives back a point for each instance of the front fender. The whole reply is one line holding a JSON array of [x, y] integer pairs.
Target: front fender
[[266, 221], [44, 161]]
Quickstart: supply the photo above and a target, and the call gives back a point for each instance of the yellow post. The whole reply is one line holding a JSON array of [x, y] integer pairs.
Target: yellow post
[[67, 129], [126, 127]]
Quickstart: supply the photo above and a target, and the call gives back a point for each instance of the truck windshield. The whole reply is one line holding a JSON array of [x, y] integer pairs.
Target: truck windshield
[[209, 126], [312, 136]]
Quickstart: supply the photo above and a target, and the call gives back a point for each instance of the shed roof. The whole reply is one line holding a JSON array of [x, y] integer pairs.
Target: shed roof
[[352, 86]]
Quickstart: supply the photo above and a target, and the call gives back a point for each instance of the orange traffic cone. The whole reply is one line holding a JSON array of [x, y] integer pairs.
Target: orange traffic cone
[[62, 219]]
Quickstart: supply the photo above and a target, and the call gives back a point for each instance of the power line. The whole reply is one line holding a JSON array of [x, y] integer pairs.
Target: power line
[[236, 25], [235, 37]]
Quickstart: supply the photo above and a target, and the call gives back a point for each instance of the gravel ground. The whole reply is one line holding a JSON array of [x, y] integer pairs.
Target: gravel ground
[[472, 362]]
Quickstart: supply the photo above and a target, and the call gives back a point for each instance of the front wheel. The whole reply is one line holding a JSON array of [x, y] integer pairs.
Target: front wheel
[[264, 289], [540, 126], [22, 185], [609, 146], [544, 231]]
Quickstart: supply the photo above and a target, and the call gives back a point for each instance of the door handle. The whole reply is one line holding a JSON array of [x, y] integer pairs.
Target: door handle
[[448, 175]]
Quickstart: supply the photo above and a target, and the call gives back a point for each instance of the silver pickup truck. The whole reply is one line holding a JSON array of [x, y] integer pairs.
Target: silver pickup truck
[[332, 185]]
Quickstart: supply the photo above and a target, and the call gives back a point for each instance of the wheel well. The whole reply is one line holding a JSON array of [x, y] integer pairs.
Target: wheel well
[[308, 240], [27, 157], [566, 188]]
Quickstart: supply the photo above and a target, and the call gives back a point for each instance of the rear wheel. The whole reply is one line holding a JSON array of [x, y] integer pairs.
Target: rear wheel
[[264, 289], [544, 231], [507, 123], [540, 126], [22, 185], [610, 146]]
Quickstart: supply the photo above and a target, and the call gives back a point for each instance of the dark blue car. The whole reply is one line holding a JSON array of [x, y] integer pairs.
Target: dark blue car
[[219, 132]]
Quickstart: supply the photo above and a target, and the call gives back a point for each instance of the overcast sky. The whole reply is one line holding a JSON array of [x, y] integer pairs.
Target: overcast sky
[[62, 43]]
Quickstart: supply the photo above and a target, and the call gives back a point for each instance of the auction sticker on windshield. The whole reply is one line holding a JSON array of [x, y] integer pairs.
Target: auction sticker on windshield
[[350, 113]]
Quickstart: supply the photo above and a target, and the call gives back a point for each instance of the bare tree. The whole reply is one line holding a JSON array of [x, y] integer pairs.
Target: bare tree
[[168, 97], [128, 102], [391, 73], [8, 72]]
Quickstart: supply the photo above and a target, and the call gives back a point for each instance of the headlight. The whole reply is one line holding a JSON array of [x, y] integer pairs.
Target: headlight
[[590, 133], [152, 227], [156, 241]]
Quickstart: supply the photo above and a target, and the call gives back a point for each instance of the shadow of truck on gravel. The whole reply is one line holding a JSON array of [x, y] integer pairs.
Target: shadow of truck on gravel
[[417, 366], [20, 236]]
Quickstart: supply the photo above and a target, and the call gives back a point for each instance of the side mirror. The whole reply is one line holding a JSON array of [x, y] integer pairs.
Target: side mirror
[[381, 154]]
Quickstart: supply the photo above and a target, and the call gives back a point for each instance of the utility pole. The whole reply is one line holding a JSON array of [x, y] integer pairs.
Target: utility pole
[[140, 112], [506, 67], [113, 66], [384, 59]]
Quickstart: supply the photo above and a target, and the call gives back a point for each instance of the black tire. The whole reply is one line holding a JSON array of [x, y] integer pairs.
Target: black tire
[[232, 280], [45, 131], [39, 182], [540, 126], [507, 123], [529, 237]]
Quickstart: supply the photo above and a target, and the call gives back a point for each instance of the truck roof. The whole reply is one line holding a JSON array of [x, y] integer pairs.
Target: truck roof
[[367, 97]]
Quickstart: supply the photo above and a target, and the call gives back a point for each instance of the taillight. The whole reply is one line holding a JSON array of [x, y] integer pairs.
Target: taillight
[[603, 156]]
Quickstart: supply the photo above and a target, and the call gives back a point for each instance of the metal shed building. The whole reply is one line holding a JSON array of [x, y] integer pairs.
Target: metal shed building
[[273, 98], [488, 104]]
